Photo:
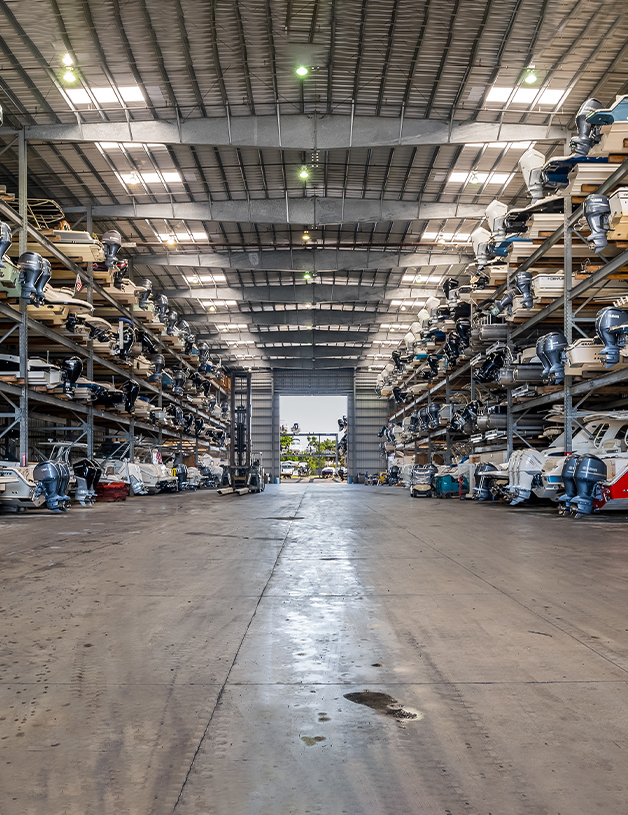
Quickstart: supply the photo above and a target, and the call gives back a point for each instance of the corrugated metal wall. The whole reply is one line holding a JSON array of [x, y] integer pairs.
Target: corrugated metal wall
[[265, 422], [367, 413], [332, 381]]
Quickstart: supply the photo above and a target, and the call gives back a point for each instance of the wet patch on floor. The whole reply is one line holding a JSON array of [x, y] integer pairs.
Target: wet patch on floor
[[312, 740], [383, 704]]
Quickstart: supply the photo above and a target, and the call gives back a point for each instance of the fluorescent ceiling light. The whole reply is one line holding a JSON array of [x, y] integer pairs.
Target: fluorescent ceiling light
[[497, 94], [105, 95], [131, 93], [551, 96], [78, 96], [525, 96]]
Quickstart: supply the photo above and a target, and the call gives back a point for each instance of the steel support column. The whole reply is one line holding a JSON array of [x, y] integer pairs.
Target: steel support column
[[23, 330], [90, 344], [568, 326]]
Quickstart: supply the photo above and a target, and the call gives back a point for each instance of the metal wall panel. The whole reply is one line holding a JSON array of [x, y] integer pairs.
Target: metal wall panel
[[367, 413], [265, 422], [324, 382]]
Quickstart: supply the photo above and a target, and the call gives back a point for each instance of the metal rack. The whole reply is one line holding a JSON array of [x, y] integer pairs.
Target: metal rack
[[571, 318], [22, 406]]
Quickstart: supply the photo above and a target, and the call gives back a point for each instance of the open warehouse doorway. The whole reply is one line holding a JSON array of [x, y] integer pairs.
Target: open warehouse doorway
[[313, 437], [365, 413]]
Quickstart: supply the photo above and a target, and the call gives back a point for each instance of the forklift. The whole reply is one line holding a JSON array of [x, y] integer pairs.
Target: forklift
[[242, 475]]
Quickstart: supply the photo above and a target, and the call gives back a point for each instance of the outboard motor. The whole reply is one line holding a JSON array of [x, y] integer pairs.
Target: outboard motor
[[148, 346], [424, 419], [482, 479], [199, 424], [452, 348], [48, 478], [31, 266], [611, 325], [489, 370], [540, 352], [85, 472], [505, 303], [414, 422], [46, 273], [206, 387], [112, 241], [589, 472], [178, 381], [569, 483], [71, 369], [172, 319], [597, 210], [159, 362], [396, 358], [463, 330], [126, 338], [120, 271], [524, 284], [399, 395], [449, 286], [554, 350], [433, 415], [161, 307], [176, 414], [188, 421], [142, 300], [588, 134], [203, 356], [131, 390], [5, 240], [181, 472], [190, 339]]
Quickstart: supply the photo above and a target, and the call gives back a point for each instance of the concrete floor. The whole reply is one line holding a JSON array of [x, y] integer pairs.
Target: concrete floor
[[191, 654]]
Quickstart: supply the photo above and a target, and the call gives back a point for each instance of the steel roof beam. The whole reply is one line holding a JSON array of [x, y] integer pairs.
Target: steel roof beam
[[304, 260], [314, 352], [313, 319], [307, 364], [312, 211], [298, 132], [314, 293]]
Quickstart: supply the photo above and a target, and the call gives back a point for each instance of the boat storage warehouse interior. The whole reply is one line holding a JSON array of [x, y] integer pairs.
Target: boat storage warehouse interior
[[313, 407]]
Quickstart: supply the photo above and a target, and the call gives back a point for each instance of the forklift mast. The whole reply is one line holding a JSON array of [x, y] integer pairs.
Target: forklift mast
[[240, 449]]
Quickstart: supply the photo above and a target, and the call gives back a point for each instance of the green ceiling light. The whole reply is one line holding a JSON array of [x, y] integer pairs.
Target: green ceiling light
[[307, 276], [69, 76], [530, 77], [473, 178], [302, 71], [304, 173]]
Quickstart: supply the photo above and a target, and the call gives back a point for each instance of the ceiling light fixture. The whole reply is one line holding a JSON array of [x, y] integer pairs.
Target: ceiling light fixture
[[67, 60], [69, 76], [530, 77], [304, 173], [305, 237], [473, 178], [307, 276], [302, 71], [171, 240]]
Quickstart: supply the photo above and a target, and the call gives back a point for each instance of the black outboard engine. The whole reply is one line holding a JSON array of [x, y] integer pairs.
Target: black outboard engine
[[450, 285], [190, 339], [125, 342], [505, 304], [5, 240], [144, 297], [588, 134], [188, 421], [463, 330], [120, 271], [597, 210], [172, 318], [178, 381], [49, 482], [482, 479], [433, 415], [181, 472], [490, 367], [131, 390], [31, 266], [554, 350], [589, 472], [452, 348], [413, 423], [159, 362], [396, 358], [161, 307], [71, 321], [71, 369], [86, 473], [176, 414], [399, 395], [569, 482], [112, 241], [46, 273], [611, 325], [199, 424], [148, 346], [432, 361]]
